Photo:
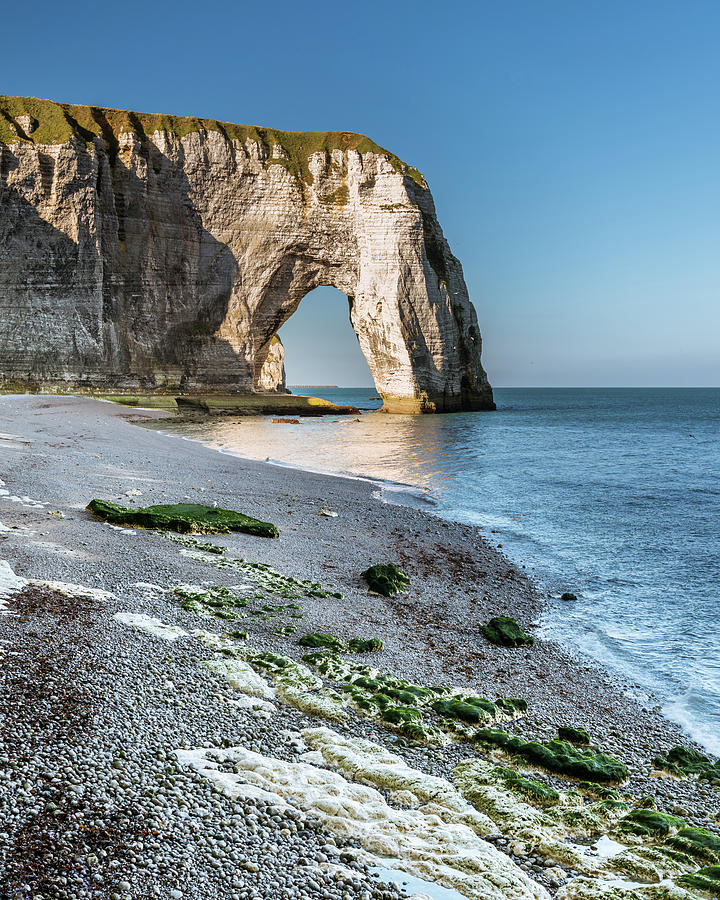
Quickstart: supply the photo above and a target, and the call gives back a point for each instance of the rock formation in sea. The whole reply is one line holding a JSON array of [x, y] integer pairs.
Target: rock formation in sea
[[146, 252]]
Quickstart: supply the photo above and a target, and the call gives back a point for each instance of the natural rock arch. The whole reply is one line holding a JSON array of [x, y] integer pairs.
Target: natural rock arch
[[158, 253]]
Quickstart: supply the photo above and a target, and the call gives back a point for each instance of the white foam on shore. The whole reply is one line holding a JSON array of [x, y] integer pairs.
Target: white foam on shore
[[432, 842], [10, 583], [242, 677], [74, 590], [151, 625]]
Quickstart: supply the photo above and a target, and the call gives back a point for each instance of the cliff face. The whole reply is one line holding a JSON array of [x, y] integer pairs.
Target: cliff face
[[271, 374], [142, 252]]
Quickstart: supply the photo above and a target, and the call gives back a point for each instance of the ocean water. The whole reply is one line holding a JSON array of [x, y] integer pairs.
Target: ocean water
[[613, 494]]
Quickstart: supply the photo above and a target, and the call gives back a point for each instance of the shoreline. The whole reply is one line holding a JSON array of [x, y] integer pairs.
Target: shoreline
[[551, 614], [58, 453]]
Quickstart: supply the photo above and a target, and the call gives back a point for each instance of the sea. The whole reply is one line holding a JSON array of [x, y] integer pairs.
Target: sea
[[611, 494]]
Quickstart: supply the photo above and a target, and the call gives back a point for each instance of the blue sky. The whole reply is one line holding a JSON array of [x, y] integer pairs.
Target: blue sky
[[573, 150]]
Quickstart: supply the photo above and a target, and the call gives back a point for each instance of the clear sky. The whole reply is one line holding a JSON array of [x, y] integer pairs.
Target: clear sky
[[572, 147]]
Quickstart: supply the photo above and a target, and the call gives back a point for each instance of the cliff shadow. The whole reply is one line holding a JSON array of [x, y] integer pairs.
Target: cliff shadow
[[48, 302], [167, 282]]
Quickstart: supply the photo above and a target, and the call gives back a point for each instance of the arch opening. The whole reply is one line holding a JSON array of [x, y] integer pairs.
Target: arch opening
[[321, 348]]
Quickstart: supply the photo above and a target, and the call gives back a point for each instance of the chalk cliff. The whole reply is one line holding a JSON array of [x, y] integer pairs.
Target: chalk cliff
[[148, 252]]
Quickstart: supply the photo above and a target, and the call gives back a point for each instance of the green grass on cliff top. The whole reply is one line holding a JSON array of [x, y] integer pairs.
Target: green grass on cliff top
[[59, 122]]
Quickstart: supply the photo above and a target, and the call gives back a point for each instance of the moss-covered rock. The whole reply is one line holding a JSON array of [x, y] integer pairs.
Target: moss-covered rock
[[686, 761], [471, 709], [535, 791], [558, 756], [598, 791], [706, 880], [219, 601], [329, 642], [574, 735], [505, 632], [699, 843], [319, 641], [650, 822], [512, 706], [386, 579], [364, 645], [568, 596], [186, 518]]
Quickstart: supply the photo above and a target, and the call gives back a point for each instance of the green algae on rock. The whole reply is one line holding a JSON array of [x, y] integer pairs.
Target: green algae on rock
[[469, 709], [539, 793], [187, 518], [386, 579], [699, 843], [574, 735], [266, 579], [558, 756], [686, 761], [646, 822], [319, 641], [705, 880], [505, 632], [328, 642], [219, 601], [364, 645]]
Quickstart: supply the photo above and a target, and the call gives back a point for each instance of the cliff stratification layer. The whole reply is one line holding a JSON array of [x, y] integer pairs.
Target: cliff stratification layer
[[148, 252]]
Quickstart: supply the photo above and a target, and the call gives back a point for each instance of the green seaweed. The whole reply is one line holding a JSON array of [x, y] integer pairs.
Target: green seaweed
[[512, 706], [285, 630], [686, 761], [505, 632], [539, 793], [599, 791], [386, 579], [574, 735], [649, 822], [236, 635], [322, 641], [186, 518], [268, 580], [699, 843], [218, 601], [558, 756], [364, 645], [706, 880], [469, 709], [188, 541]]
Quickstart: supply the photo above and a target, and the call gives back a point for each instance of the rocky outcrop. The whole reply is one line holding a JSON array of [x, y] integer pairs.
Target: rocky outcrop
[[154, 253], [271, 376]]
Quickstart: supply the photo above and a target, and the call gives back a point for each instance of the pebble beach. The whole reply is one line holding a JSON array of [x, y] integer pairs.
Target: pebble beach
[[131, 768]]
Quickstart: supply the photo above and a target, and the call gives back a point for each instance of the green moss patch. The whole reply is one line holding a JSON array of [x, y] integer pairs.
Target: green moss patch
[[322, 641], [505, 632], [686, 761], [598, 791], [329, 642], [266, 579], [186, 518], [699, 843], [706, 880], [558, 756], [218, 601], [386, 579], [650, 823], [470, 709], [364, 645], [186, 540], [61, 122], [574, 735], [539, 793]]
